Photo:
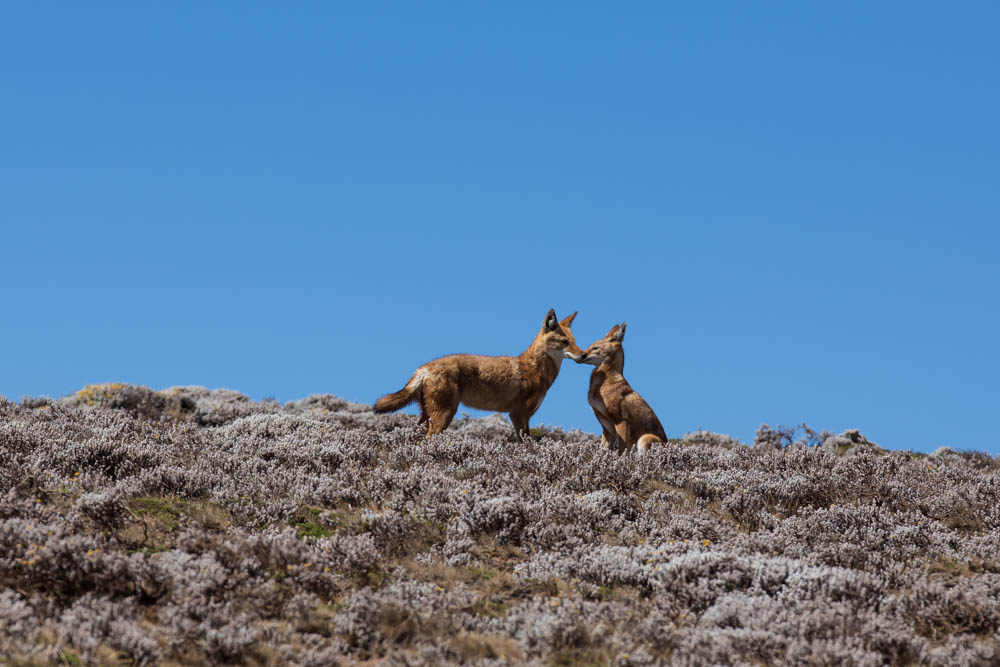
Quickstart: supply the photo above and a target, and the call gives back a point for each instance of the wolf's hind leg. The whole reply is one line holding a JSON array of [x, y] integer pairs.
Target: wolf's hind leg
[[439, 421], [439, 405]]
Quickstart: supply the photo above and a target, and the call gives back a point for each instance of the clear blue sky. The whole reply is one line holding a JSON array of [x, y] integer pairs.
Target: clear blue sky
[[794, 205]]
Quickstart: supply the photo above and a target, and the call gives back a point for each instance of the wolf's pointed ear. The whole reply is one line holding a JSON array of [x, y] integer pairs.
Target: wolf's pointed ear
[[551, 322], [620, 334], [614, 332], [568, 321]]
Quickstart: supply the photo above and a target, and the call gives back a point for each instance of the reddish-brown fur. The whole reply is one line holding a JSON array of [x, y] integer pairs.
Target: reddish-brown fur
[[625, 417], [515, 385]]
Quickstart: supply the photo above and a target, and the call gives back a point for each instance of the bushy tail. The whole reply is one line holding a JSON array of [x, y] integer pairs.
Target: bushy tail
[[643, 444], [403, 397]]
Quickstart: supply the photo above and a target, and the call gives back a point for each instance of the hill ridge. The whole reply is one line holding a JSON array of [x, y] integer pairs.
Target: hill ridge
[[198, 526]]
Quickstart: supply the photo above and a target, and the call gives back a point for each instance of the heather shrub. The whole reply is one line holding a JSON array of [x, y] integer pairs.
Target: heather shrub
[[92, 621], [199, 526], [702, 437]]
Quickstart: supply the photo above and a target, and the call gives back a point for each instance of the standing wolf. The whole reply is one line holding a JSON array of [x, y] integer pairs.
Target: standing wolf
[[515, 385], [625, 416]]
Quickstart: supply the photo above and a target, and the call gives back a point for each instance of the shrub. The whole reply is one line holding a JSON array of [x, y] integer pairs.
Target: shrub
[[198, 526]]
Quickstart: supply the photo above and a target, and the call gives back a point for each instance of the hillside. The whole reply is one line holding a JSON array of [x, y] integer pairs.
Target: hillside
[[192, 526]]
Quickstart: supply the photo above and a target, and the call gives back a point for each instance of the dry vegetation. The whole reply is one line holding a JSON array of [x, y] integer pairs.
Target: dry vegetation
[[192, 526]]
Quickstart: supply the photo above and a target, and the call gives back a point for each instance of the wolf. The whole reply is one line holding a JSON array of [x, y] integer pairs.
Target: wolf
[[625, 417], [515, 385]]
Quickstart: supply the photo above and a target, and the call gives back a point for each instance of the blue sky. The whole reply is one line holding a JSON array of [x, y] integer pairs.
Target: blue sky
[[794, 205]]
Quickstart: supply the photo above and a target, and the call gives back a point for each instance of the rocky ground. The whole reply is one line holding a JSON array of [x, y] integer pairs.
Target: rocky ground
[[190, 526]]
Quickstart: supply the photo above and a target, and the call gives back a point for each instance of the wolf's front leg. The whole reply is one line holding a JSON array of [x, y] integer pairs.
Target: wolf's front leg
[[623, 437], [520, 422], [609, 440]]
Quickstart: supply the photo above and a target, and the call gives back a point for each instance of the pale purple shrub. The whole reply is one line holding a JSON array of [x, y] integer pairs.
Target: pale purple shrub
[[316, 532], [19, 622], [106, 508], [92, 621], [703, 437]]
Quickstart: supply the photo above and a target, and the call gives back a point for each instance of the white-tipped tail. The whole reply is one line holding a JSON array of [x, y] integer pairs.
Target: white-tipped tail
[[645, 442], [403, 397]]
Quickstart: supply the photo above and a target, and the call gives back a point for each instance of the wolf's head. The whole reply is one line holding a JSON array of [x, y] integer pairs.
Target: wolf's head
[[609, 347], [557, 337]]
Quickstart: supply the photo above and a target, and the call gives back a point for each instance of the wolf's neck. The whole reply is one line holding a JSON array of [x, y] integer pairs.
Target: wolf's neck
[[548, 366], [613, 365]]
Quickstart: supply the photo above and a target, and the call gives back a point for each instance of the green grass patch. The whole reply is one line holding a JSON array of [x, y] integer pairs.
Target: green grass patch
[[490, 608], [67, 657], [167, 510], [307, 523]]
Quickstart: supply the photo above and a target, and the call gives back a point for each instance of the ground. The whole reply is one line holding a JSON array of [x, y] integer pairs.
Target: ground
[[190, 526]]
